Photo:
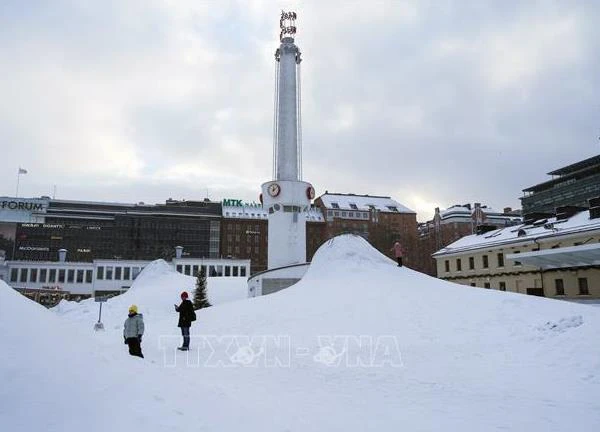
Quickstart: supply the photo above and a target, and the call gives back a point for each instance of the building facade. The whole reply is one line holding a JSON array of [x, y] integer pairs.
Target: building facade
[[379, 219], [48, 282], [572, 185], [554, 257], [244, 232], [455, 222], [94, 230]]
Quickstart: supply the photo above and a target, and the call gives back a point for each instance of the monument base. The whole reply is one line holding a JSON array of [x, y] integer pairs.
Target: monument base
[[273, 280]]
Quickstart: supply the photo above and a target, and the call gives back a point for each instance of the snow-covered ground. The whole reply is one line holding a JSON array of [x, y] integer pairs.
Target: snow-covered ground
[[359, 344]]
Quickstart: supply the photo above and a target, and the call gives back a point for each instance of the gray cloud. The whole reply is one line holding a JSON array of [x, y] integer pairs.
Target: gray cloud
[[434, 103]]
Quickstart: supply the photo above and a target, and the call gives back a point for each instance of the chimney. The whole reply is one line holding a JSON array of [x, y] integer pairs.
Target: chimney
[[507, 210], [62, 255], [477, 205], [178, 251]]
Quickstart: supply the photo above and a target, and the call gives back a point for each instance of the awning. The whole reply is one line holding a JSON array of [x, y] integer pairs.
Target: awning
[[566, 257]]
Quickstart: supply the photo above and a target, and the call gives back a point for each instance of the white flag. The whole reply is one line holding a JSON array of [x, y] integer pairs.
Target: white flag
[[22, 171]]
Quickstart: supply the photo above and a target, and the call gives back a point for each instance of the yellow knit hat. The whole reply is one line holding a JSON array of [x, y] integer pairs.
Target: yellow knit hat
[[133, 309]]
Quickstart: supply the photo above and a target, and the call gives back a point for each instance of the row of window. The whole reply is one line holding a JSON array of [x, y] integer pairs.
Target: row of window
[[212, 270], [117, 273], [501, 285], [357, 215], [44, 275], [582, 285], [484, 262], [559, 286]]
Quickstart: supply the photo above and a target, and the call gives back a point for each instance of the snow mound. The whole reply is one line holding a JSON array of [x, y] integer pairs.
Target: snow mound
[[361, 345], [154, 292], [348, 251]]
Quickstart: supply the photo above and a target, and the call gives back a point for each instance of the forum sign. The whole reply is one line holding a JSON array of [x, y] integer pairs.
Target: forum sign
[[22, 210]]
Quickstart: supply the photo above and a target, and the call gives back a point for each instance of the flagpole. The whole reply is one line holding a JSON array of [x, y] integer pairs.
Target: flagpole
[[18, 177]]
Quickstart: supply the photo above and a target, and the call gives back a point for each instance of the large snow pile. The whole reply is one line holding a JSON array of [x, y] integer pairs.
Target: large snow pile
[[154, 291], [358, 344]]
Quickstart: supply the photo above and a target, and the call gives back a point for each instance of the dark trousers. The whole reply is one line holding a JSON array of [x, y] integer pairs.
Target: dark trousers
[[399, 259], [185, 332], [135, 348]]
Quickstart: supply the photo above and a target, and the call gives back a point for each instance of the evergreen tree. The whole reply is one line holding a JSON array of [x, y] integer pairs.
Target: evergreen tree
[[200, 299]]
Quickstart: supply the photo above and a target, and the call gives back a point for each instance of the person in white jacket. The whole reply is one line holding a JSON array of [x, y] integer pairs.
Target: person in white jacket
[[133, 330]]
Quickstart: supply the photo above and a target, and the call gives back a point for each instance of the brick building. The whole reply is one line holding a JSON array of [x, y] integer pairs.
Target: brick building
[[455, 222], [244, 233], [379, 219]]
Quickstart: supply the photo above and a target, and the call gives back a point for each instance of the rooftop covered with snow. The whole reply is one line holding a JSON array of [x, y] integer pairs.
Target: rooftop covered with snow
[[362, 202], [543, 228]]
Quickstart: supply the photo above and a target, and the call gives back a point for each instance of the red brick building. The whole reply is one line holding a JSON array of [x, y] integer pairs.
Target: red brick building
[[379, 219], [455, 222]]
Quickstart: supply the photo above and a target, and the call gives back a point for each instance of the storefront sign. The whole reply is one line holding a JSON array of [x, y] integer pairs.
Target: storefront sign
[[22, 210], [229, 202], [34, 248], [22, 205]]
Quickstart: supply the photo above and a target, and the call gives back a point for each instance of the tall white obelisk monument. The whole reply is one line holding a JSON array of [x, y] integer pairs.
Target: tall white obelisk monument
[[287, 198]]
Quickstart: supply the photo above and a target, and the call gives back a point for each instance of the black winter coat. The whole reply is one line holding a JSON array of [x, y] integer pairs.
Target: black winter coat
[[186, 313]]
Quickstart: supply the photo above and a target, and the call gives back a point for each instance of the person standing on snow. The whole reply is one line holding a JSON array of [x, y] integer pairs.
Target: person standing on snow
[[186, 316], [398, 252], [133, 331]]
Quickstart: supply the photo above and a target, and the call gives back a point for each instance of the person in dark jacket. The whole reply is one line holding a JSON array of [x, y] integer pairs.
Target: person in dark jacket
[[133, 330], [186, 316]]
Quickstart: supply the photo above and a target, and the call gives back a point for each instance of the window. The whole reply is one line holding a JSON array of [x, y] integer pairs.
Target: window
[[471, 263], [61, 276], [335, 205], [126, 273], [560, 286], [517, 263], [80, 274], [447, 265], [109, 272], [486, 285], [179, 268], [43, 275], [458, 265], [473, 284], [33, 275], [88, 276], [118, 272], [243, 271], [583, 286], [70, 275], [135, 271], [100, 273], [52, 276], [219, 270], [502, 286], [195, 270], [227, 271], [393, 208], [14, 275], [235, 270], [353, 206], [23, 275], [485, 261], [187, 270], [500, 259], [212, 272]]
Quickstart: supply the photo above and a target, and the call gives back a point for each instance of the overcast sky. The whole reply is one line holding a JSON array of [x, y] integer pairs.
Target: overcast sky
[[433, 103]]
